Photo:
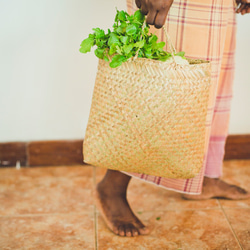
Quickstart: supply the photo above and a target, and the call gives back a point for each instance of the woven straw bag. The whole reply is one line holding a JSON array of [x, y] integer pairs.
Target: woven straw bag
[[148, 117]]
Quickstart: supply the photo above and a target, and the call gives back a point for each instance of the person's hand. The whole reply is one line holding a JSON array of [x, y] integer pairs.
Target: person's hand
[[243, 6], [156, 10]]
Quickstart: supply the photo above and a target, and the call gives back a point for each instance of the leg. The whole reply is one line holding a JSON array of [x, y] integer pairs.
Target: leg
[[111, 200], [213, 187]]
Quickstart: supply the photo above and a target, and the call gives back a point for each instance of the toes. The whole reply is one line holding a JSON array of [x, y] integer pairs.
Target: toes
[[144, 231], [128, 230], [128, 234], [134, 231], [236, 192], [115, 230], [141, 228], [121, 230], [239, 189]]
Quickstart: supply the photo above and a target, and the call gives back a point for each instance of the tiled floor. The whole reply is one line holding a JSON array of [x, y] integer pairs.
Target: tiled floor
[[53, 208]]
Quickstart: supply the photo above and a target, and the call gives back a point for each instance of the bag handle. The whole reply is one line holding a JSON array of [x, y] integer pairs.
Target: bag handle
[[170, 44]]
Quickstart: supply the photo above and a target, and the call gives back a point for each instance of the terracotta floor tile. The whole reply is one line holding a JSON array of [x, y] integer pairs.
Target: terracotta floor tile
[[240, 222], [189, 230], [238, 173], [46, 190], [59, 231], [53, 208]]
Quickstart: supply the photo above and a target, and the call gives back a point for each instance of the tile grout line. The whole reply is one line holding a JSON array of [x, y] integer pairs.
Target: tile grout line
[[42, 215], [178, 209], [95, 212], [235, 236]]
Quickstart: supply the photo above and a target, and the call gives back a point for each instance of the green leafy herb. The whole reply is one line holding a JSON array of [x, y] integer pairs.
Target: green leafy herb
[[86, 45], [158, 218], [130, 37]]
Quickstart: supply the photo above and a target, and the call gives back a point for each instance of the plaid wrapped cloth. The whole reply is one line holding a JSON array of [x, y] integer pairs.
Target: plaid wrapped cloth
[[204, 29]]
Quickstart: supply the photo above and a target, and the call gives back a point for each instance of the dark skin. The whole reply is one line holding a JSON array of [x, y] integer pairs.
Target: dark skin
[[111, 192], [243, 6], [155, 10]]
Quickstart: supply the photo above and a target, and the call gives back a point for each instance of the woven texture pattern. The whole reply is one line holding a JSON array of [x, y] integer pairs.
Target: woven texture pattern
[[149, 117]]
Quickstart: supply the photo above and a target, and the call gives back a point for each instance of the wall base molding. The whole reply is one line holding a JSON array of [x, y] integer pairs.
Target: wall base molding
[[41, 153], [69, 152]]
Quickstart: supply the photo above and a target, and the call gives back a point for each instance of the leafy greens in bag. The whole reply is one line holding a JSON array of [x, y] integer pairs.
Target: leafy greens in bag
[[130, 38]]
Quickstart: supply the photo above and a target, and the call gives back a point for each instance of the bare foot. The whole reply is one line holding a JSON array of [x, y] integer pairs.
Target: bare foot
[[216, 188], [115, 210]]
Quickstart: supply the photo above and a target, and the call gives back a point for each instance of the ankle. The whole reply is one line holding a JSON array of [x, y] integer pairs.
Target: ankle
[[110, 190], [210, 181], [114, 183]]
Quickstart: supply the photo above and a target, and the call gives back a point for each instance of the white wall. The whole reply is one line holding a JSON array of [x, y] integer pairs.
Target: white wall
[[240, 115], [46, 83]]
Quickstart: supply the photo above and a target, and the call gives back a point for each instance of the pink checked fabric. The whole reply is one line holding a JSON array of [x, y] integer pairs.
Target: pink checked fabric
[[204, 29]]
